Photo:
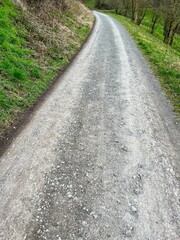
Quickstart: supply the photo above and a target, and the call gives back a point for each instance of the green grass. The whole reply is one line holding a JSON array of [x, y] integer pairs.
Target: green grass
[[29, 60], [90, 4], [164, 60], [159, 29]]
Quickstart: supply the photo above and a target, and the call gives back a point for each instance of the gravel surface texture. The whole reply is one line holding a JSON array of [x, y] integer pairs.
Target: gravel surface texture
[[100, 157]]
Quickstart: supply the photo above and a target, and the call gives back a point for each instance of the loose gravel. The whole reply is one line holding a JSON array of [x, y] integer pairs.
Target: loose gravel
[[100, 158]]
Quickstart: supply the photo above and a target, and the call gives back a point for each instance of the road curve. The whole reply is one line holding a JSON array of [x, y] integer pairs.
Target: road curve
[[99, 158]]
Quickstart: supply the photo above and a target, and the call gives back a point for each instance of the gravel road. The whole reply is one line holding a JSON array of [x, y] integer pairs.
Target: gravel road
[[100, 157]]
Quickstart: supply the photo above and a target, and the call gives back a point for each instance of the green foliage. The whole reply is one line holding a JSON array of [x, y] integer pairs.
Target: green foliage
[[163, 59], [90, 4], [26, 69]]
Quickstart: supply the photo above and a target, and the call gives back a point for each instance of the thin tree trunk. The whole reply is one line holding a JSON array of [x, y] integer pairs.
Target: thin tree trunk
[[140, 16], [126, 10], [168, 32], [154, 21], [173, 33], [133, 10]]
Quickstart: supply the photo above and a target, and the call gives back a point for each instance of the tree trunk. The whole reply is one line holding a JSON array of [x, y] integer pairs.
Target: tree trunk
[[154, 21], [126, 11], [133, 10], [140, 16], [168, 31], [172, 34]]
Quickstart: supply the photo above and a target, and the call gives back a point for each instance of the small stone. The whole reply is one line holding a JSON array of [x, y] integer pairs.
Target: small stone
[[94, 215], [84, 223], [134, 209], [128, 231], [69, 195], [123, 147], [136, 191]]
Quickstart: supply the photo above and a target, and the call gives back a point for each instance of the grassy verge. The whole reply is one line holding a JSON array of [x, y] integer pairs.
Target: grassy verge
[[163, 59], [33, 48]]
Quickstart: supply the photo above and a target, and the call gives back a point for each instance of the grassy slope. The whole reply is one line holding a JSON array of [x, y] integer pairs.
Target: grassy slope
[[163, 59], [32, 51]]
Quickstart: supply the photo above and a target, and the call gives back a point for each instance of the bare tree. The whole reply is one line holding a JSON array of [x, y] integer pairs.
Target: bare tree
[[140, 11], [115, 4], [124, 7], [137, 9], [155, 5], [97, 3], [134, 9], [171, 11], [102, 4]]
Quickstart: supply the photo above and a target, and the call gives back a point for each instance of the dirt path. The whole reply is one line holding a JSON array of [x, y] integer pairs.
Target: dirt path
[[99, 159]]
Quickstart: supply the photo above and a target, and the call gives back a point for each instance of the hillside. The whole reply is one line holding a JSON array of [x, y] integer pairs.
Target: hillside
[[37, 40]]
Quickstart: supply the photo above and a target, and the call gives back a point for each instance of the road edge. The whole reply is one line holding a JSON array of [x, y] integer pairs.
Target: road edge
[[25, 117]]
